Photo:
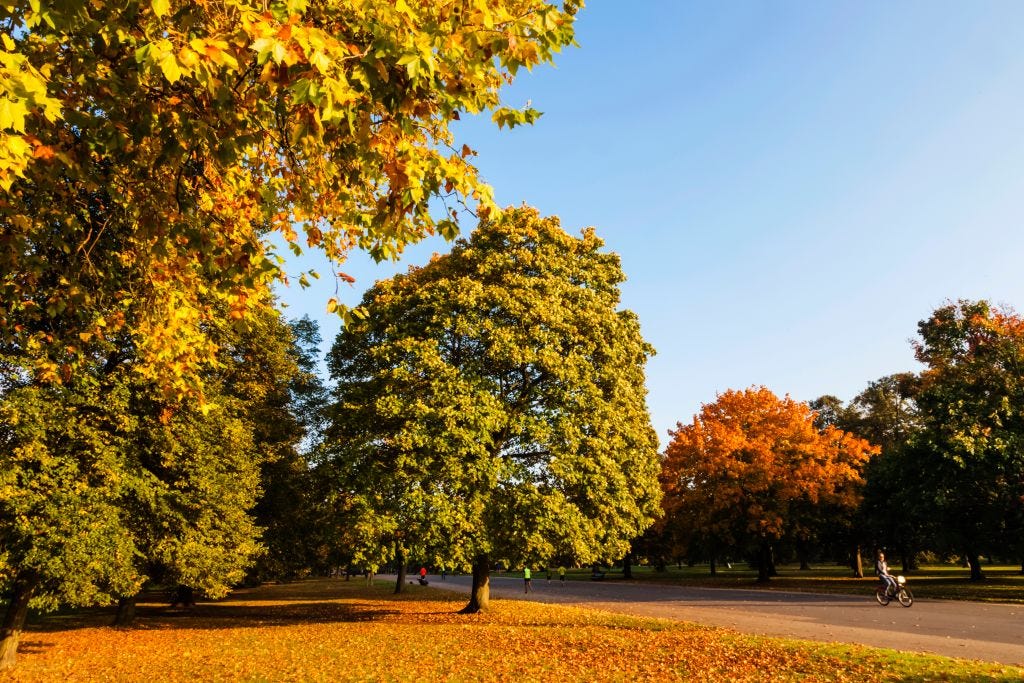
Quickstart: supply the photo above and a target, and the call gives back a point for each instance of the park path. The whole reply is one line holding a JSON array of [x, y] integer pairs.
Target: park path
[[973, 630]]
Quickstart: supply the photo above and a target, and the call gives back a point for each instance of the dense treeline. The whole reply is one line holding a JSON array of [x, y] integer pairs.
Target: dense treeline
[[946, 476]]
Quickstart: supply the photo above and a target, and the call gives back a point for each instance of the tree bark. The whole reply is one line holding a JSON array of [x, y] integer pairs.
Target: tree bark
[[14, 619], [480, 594], [801, 551], [400, 582], [974, 562], [764, 557], [125, 611], [713, 563], [627, 566], [858, 562]]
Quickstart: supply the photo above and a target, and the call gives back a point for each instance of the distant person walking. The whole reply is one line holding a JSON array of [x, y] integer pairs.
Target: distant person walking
[[561, 574], [526, 579]]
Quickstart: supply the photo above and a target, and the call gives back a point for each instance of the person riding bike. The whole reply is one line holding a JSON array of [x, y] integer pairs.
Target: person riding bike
[[882, 569]]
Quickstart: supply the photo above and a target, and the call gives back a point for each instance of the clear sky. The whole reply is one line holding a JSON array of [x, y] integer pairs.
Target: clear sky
[[791, 186]]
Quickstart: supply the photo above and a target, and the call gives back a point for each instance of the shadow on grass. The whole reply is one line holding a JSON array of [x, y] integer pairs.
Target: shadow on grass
[[307, 602]]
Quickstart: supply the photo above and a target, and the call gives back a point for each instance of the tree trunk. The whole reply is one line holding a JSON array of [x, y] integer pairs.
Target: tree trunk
[[801, 551], [400, 583], [14, 618], [184, 596], [480, 594], [627, 566], [764, 556], [713, 565], [974, 562], [858, 562], [125, 611]]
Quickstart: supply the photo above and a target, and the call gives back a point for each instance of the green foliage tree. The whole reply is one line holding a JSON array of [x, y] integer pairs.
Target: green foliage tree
[[971, 446], [62, 477], [490, 406], [896, 511], [289, 423]]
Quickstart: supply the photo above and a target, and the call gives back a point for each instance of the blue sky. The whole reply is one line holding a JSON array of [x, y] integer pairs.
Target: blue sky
[[791, 186]]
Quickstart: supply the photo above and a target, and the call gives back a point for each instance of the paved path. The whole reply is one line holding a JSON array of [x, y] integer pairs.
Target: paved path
[[973, 630]]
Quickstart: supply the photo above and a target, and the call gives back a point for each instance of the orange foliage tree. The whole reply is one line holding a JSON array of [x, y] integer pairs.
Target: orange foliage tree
[[752, 468]]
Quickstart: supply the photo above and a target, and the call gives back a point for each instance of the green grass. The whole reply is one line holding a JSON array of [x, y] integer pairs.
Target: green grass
[[946, 582]]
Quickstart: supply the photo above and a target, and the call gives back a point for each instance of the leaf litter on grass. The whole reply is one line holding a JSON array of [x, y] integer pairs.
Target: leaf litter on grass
[[332, 630]]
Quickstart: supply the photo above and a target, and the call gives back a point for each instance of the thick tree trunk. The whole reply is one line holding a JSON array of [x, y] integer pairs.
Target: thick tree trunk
[[907, 560], [14, 619], [125, 611], [974, 562], [480, 594], [764, 562], [627, 566], [400, 582], [713, 565], [857, 562], [801, 552]]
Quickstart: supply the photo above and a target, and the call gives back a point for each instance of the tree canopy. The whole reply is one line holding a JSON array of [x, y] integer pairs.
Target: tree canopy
[[147, 150], [491, 405], [752, 467], [970, 450]]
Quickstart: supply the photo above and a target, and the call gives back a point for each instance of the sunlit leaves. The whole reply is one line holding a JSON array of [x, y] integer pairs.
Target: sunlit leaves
[[750, 462], [194, 129], [492, 402]]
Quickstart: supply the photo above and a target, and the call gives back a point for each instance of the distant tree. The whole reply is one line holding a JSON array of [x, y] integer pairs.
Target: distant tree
[[206, 469], [971, 447], [829, 412], [490, 406], [752, 468], [896, 513]]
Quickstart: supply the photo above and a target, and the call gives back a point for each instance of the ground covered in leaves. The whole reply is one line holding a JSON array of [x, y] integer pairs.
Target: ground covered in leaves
[[332, 630]]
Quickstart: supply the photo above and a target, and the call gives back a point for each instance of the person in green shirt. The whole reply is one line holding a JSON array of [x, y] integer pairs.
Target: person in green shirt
[[561, 574], [526, 579]]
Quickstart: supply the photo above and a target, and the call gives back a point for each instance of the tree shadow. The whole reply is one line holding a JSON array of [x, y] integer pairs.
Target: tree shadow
[[309, 602]]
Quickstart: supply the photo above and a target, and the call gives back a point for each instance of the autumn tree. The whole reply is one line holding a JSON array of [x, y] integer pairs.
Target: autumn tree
[[752, 467], [147, 150], [971, 447], [490, 406]]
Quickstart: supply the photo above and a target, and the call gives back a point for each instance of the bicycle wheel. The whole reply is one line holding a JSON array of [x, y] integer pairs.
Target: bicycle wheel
[[881, 596], [906, 597]]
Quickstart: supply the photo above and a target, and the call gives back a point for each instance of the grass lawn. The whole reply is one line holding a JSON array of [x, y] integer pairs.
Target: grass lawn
[[947, 582], [332, 630]]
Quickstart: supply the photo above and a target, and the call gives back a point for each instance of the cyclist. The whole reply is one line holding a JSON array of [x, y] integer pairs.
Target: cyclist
[[882, 569]]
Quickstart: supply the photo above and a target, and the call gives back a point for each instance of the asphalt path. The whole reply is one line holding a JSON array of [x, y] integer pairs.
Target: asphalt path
[[973, 630]]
